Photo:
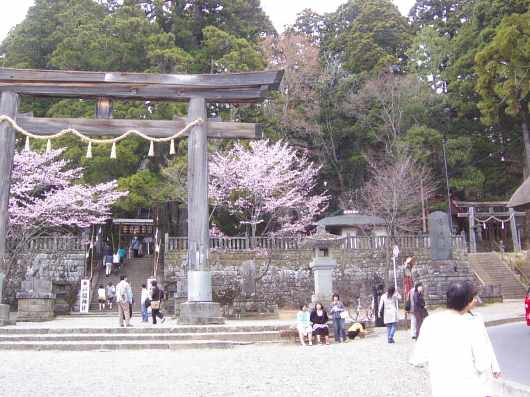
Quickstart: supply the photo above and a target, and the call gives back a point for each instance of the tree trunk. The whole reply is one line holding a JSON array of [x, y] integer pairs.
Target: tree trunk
[[526, 174], [526, 137]]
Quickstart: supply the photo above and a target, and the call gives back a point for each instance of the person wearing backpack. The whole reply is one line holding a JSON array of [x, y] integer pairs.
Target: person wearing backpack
[[156, 301], [122, 299]]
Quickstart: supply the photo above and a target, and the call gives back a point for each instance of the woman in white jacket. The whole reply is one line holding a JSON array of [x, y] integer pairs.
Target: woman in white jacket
[[389, 310], [456, 347]]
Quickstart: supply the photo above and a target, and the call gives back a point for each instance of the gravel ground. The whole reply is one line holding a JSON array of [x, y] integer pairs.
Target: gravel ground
[[368, 367]]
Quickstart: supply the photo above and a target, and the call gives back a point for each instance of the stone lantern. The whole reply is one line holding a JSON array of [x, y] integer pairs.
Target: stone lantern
[[323, 263]]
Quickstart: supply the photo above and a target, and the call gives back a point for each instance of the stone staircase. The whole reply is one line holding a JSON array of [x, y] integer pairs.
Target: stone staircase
[[138, 338], [137, 270], [492, 270]]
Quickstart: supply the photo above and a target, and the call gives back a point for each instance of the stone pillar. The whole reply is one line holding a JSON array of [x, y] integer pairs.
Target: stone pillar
[[8, 107], [515, 234], [472, 236], [199, 309], [323, 267]]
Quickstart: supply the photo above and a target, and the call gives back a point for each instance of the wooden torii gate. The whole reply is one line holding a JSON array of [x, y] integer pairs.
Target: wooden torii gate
[[198, 90]]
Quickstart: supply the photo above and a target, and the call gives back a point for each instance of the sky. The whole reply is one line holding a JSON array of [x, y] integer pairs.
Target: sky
[[281, 12]]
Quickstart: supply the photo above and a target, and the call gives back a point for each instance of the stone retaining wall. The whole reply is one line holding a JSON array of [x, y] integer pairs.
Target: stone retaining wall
[[57, 266], [65, 269], [284, 278]]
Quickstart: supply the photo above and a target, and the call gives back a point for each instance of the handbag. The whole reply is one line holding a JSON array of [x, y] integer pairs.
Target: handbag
[[407, 306], [155, 305], [344, 315]]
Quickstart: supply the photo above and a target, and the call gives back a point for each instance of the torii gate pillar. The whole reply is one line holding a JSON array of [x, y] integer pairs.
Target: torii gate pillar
[[8, 106], [199, 309]]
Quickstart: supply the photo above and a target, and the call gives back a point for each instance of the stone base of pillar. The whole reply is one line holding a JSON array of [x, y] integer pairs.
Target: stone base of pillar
[[4, 315], [35, 309], [200, 313]]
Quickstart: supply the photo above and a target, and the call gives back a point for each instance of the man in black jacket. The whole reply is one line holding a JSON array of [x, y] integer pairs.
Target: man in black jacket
[[157, 295]]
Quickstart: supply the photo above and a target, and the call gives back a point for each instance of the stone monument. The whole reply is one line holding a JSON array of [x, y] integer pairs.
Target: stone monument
[[444, 268], [322, 264], [36, 301], [440, 234]]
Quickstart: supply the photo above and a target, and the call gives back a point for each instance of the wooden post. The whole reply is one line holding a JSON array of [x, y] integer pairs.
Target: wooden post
[[515, 234], [472, 237], [8, 107], [199, 279], [423, 214], [104, 108]]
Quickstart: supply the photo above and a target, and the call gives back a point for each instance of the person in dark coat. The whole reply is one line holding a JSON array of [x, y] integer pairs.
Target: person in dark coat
[[419, 307], [156, 301], [320, 319]]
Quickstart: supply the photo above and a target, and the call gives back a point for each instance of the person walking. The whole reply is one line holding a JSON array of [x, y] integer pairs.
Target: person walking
[[409, 308], [337, 311], [144, 302], [102, 299], [389, 310], [303, 325], [420, 312], [136, 245], [156, 301], [130, 298], [320, 319], [116, 262], [122, 252], [122, 299], [108, 265], [111, 295], [455, 346]]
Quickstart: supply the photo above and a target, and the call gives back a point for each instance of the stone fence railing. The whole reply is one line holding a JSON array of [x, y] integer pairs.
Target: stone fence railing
[[54, 244], [408, 243]]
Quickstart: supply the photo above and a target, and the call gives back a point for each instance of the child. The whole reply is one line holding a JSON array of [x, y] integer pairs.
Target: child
[[357, 329], [111, 294], [102, 299]]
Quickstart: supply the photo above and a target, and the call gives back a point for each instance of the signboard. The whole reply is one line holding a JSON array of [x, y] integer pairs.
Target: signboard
[[136, 230], [395, 254], [84, 293]]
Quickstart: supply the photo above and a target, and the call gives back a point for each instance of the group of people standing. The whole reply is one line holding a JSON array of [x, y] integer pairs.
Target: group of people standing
[[149, 298], [122, 295], [316, 323]]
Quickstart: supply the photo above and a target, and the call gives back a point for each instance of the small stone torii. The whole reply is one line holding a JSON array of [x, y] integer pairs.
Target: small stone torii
[[198, 90]]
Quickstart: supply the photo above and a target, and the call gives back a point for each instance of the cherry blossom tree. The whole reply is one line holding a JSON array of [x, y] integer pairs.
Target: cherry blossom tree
[[46, 195], [267, 185]]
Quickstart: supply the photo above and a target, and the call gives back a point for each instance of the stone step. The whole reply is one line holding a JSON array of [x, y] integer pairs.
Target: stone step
[[121, 345], [266, 336], [209, 329], [492, 270]]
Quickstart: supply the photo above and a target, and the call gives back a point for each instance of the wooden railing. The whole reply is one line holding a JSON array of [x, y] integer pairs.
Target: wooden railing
[[405, 243]]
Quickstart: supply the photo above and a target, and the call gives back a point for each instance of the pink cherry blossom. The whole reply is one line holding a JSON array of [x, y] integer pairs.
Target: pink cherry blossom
[[46, 194], [268, 185]]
